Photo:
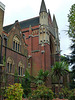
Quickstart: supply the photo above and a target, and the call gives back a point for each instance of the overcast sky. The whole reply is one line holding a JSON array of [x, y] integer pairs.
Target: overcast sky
[[25, 9]]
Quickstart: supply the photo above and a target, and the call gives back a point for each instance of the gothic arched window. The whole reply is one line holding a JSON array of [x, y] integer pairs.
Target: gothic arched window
[[16, 43], [9, 64], [20, 68]]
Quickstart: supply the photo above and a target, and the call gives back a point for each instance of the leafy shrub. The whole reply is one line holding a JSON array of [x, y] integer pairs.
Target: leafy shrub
[[41, 92], [65, 92], [14, 92], [72, 95]]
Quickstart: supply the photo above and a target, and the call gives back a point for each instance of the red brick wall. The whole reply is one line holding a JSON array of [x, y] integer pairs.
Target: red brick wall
[[47, 57], [38, 60], [16, 56]]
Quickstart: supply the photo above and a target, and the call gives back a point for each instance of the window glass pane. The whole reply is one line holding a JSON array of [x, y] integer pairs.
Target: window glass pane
[[19, 70], [16, 46], [13, 44], [7, 67], [10, 67]]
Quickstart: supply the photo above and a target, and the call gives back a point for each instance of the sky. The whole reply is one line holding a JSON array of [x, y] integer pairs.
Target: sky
[[25, 9]]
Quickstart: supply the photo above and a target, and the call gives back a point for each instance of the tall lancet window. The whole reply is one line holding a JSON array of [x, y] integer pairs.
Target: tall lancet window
[[16, 43]]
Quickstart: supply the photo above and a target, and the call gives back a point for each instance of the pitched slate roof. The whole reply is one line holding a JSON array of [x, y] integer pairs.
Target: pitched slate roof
[[27, 23], [43, 7], [8, 28], [23, 24]]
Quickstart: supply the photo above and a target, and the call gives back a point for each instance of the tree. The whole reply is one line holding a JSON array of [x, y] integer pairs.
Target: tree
[[72, 80], [42, 76], [72, 57], [58, 70], [71, 33], [65, 58], [26, 82], [71, 20]]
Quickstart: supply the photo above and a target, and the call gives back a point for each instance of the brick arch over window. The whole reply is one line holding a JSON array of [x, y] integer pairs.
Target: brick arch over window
[[20, 68], [10, 63], [16, 43]]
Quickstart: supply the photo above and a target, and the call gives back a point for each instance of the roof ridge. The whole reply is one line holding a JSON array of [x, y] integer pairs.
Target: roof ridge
[[21, 21], [29, 19], [23, 24], [8, 25]]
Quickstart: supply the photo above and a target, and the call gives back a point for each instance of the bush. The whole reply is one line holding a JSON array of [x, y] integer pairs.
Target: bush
[[65, 92], [14, 92], [72, 95], [41, 92]]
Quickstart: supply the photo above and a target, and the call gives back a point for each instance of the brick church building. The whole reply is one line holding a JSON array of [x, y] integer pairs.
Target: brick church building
[[42, 38], [33, 44]]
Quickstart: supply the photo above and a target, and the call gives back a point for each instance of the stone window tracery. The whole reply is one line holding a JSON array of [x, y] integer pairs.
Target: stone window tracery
[[16, 43], [20, 68], [9, 64]]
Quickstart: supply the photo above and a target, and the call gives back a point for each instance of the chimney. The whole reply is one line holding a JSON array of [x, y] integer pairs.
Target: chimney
[[2, 8]]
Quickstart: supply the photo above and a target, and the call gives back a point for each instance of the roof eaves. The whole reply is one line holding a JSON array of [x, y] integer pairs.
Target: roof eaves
[[8, 28]]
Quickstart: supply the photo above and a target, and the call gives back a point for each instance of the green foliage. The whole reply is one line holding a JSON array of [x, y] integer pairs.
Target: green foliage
[[71, 20], [66, 92], [72, 81], [26, 82], [14, 92], [41, 92], [72, 95], [42, 76], [72, 56], [59, 68], [71, 32], [65, 58]]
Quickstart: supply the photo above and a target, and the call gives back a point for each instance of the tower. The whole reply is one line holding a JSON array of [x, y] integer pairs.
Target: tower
[[43, 14], [44, 35], [57, 42], [43, 20]]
